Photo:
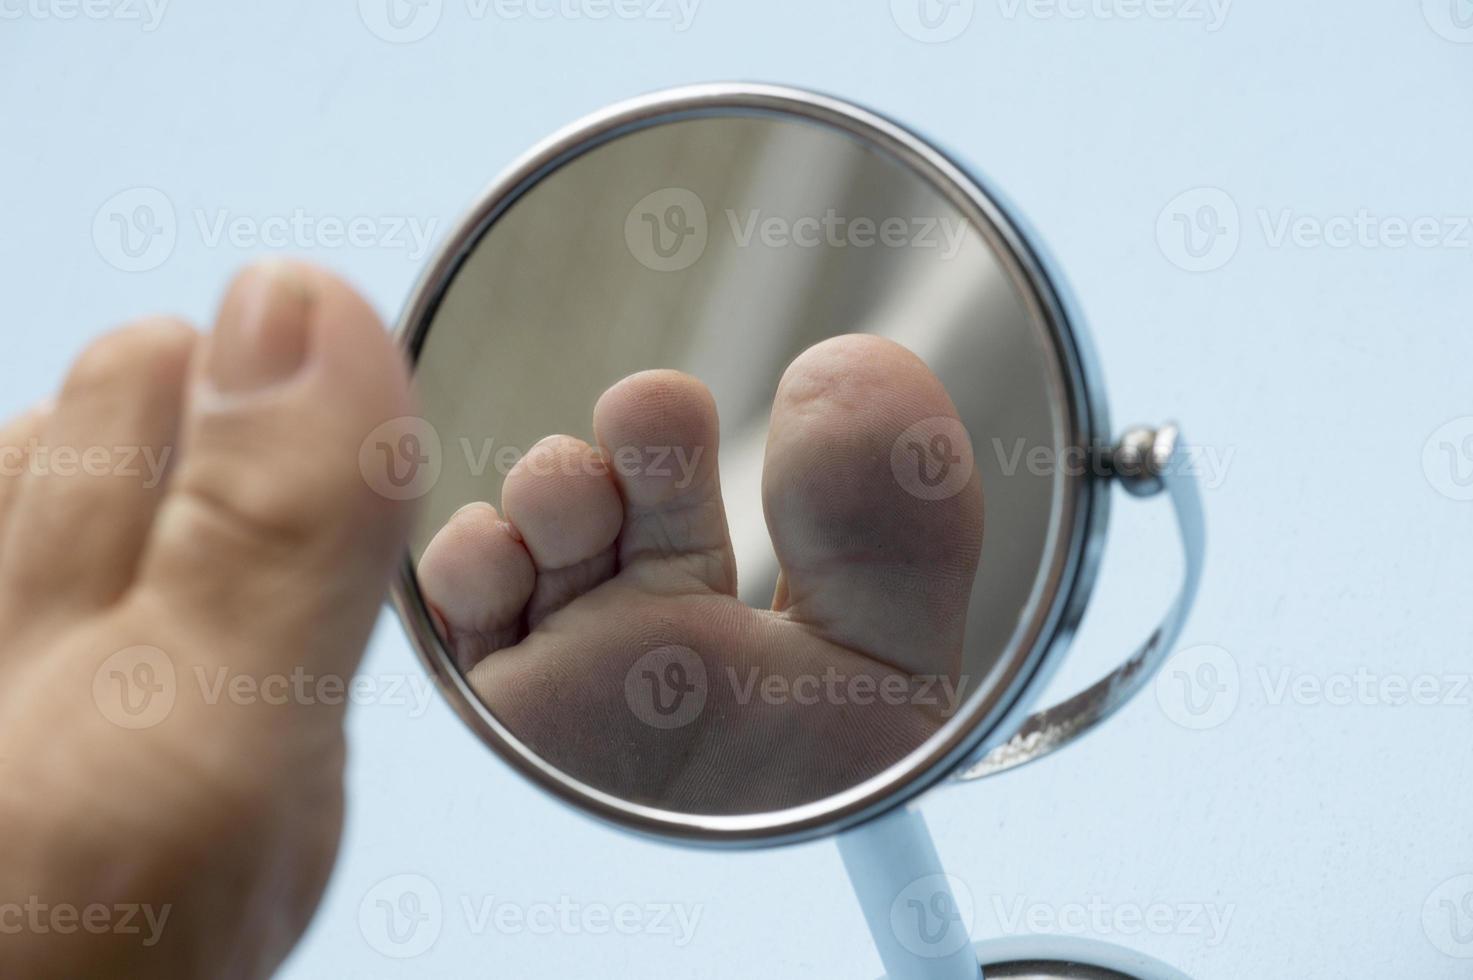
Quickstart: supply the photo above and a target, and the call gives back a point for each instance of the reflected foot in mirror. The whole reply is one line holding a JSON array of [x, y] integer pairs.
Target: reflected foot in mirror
[[596, 614]]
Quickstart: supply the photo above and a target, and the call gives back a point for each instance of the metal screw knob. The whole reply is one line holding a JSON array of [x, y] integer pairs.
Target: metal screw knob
[[1141, 458]]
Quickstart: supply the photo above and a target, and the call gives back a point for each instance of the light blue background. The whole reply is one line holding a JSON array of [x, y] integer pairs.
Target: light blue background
[[1318, 373]]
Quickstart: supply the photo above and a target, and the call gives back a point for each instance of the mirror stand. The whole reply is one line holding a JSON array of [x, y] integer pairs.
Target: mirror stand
[[919, 928], [1147, 463], [917, 925]]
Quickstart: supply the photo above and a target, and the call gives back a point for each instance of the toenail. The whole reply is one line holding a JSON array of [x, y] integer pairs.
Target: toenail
[[470, 510], [261, 336]]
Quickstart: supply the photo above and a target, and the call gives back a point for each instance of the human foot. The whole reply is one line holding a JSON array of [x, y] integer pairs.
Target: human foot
[[155, 823], [607, 592]]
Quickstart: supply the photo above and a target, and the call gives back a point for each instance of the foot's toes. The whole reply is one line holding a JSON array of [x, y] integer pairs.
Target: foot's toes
[[561, 501], [477, 577], [271, 536], [873, 502], [659, 431], [84, 506]]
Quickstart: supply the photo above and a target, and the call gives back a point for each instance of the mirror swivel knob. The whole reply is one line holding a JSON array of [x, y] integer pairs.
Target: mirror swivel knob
[[1141, 458]]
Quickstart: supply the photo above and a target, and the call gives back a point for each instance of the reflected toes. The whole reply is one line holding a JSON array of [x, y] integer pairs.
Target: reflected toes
[[477, 577]]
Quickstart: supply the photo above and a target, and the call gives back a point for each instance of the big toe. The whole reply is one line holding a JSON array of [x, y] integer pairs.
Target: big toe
[[276, 536], [873, 503]]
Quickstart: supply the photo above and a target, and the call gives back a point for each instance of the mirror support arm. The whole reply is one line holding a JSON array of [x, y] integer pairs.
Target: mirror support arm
[[887, 859], [1146, 462], [893, 855]]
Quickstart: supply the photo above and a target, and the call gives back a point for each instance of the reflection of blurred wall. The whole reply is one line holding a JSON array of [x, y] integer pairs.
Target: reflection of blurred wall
[[554, 307]]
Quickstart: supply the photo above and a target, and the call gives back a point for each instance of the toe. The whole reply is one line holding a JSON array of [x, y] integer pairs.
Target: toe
[[659, 431], [561, 501], [477, 577], [270, 509], [83, 510], [877, 554]]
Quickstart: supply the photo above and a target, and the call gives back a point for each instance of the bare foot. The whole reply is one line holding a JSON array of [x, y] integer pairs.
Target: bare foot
[[157, 823], [607, 594]]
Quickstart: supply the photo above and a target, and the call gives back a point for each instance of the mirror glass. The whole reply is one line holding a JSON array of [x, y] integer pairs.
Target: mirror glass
[[745, 431]]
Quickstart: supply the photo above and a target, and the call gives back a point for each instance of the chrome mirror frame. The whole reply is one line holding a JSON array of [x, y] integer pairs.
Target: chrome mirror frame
[[991, 735]]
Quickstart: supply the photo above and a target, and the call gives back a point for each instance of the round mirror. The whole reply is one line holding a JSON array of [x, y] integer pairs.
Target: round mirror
[[760, 490]]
